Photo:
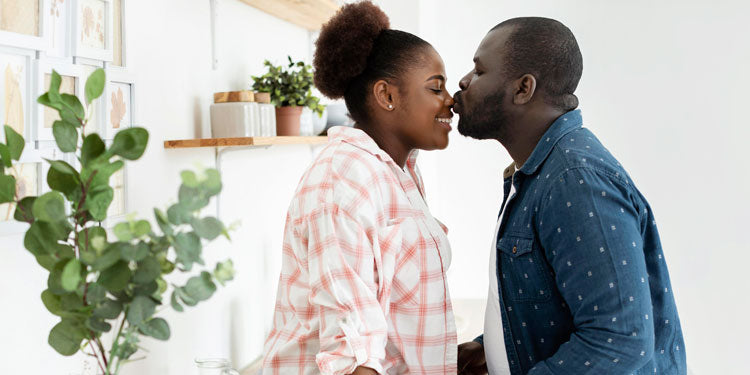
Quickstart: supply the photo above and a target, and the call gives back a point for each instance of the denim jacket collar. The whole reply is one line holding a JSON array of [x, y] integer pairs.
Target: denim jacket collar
[[563, 125]]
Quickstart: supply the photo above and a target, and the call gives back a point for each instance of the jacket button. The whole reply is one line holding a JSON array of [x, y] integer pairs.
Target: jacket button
[[515, 250]]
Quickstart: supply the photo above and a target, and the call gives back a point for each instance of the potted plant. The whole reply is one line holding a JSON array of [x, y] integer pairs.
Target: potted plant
[[291, 90], [102, 281]]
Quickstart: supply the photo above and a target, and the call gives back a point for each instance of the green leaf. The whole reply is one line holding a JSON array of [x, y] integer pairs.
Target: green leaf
[[148, 270], [66, 136], [156, 328], [224, 271], [134, 252], [200, 288], [45, 100], [71, 275], [212, 183], [54, 87], [147, 289], [189, 178], [122, 231], [93, 239], [178, 214], [54, 280], [72, 103], [95, 85], [110, 309], [5, 154], [66, 337], [15, 142], [93, 147], [185, 297], [176, 304], [98, 325], [51, 302], [64, 168], [108, 258], [98, 202], [115, 278], [42, 237], [188, 249], [65, 183], [23, 210], [95, 293], [192, 199], [208, 227], [141, 228], [49, 207], [130, 143], [7, 188], [163, 222], [140, 309], [71, 302]]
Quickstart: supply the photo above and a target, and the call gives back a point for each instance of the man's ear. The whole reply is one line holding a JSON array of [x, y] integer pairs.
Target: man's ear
[[385, 94], [524, 89]]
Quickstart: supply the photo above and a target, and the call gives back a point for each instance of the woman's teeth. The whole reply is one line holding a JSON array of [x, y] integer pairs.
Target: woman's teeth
[[445, 120]]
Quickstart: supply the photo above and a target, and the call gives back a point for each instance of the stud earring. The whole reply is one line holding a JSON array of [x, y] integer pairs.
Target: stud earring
[[390, 106]]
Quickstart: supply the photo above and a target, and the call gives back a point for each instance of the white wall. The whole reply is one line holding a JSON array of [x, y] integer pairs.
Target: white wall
[[665, 87]]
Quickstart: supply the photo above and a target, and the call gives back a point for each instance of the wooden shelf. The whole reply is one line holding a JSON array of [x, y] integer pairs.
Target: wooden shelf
[[244, 141], [309, 14]]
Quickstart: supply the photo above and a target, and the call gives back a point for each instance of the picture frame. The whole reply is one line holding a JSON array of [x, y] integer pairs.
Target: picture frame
[[95, 111], [30, 177], [72, 83], [120, 9], [16, 88], [119, 97], [22, 24], [91, 31], [57, 20]]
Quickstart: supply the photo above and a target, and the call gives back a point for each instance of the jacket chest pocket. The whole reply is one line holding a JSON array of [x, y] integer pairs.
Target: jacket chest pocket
[[522, 273]]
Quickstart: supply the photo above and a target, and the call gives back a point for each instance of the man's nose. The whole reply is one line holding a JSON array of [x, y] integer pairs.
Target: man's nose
[[463, 84]]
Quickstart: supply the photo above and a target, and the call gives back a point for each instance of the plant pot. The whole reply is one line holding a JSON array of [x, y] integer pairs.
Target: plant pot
[[288, 120]]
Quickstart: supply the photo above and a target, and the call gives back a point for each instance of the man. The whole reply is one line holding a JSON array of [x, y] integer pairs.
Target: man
[[579, 284]]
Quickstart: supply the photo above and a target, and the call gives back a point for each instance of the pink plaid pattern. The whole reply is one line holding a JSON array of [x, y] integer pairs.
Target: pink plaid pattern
[[363, 272]]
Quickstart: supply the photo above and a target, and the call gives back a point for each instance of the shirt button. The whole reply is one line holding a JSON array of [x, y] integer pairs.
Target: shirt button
[[515, 250]]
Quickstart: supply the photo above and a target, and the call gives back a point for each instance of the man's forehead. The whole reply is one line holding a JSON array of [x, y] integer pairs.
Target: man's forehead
[[493, 43]]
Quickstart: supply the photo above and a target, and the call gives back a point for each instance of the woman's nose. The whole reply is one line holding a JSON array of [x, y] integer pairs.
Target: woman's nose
[[449, 100]]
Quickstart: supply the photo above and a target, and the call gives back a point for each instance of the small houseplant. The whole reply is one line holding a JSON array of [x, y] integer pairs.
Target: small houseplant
[[291, 90], [101, 282]]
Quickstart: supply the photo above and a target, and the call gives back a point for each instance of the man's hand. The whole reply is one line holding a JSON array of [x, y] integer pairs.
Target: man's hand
[[471, 359]]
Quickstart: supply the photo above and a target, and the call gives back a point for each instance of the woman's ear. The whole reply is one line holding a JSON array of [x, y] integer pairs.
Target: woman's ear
[[525, 87], [385, 94]]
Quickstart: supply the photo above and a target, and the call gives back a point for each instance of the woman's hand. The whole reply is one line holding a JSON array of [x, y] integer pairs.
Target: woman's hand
[[471, 360], [364, 371]]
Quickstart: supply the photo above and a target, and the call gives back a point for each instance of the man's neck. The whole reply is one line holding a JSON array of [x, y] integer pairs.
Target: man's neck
[[527, 132]]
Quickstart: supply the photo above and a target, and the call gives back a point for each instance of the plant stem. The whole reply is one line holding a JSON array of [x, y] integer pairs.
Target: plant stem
[[98, 361], [116, 342]]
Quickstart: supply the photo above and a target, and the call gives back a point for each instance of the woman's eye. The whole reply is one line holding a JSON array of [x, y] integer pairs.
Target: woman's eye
[[437, 91]]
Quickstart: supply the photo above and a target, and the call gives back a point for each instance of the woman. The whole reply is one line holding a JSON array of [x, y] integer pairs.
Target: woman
[[363, 287]]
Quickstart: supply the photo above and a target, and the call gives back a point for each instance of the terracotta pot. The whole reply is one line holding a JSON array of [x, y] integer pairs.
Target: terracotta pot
[[287, 120]]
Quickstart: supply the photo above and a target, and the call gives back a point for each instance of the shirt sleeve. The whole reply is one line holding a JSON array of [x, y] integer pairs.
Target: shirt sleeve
[[589, 228], [343, 283]]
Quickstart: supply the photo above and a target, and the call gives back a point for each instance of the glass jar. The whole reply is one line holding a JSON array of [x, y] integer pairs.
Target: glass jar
[[215, 366]]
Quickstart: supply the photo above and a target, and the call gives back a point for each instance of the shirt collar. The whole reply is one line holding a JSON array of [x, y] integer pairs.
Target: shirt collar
[[358, 138], [563, 125]]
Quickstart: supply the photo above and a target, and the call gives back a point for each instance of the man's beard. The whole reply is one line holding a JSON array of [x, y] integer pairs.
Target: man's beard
[[486, 120]]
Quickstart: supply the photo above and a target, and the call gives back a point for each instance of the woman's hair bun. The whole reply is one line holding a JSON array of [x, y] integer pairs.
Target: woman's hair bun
[[344, 44]]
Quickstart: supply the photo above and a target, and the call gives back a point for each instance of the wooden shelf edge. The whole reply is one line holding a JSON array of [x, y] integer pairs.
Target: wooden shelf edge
[[243, 141], [309, 14]]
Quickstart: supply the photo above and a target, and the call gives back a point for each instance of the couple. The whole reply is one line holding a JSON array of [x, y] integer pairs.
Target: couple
[[578, 281]]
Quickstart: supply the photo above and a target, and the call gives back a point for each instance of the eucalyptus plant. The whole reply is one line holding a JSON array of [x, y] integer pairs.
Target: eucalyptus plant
[[290, 86], [109, 281]]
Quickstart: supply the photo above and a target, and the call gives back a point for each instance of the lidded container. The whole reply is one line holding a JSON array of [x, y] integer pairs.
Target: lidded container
[[235, 114]]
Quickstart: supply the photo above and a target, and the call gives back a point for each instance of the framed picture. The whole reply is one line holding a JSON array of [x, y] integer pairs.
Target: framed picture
[[57, 20], [91, 34], [119, 45], [22, 24], [72, 83], [15, 91], [119, 96]]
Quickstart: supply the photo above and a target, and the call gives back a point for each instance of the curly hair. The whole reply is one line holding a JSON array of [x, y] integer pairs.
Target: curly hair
[[355, 49]]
